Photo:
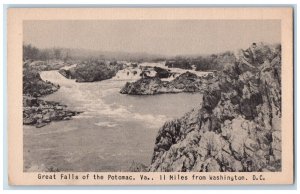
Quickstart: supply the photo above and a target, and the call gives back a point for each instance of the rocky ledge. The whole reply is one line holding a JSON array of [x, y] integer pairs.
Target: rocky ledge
[[186, 82], [238, 126], [39, 112]]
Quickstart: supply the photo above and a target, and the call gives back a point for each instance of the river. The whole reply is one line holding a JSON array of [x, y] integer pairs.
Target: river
[[113, 131]]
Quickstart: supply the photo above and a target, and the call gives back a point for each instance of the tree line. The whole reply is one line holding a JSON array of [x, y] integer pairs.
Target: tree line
[[34, 53], [202, 63]]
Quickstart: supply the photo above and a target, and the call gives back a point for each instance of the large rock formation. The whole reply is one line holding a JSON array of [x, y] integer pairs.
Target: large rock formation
[[91, 71], [186, 82], [238, 125]]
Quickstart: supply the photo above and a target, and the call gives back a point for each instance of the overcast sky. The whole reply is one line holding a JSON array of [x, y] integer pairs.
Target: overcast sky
[[152, 36]]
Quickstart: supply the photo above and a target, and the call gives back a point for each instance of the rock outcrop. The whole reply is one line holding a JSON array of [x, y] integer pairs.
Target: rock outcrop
[[38, 112], [238, 126], [186, 82], [92, 71]]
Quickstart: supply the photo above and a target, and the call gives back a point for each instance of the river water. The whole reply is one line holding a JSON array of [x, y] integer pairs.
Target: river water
[[113, 131]]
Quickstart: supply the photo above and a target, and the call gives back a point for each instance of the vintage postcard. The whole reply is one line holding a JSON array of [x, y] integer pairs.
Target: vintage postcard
[[150, 96]]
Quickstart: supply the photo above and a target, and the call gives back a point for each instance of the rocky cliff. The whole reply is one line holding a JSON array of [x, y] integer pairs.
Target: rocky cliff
[[186, 82], [238, 125]]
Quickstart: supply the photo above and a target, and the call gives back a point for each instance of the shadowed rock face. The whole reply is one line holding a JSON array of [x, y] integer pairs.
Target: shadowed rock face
[[237, 127], [186, 82]]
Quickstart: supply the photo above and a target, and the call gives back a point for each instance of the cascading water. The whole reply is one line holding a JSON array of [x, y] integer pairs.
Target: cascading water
[[113, 130]]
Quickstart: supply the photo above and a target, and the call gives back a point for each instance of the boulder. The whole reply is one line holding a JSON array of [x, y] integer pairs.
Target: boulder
[[162, 73], [186, 82]]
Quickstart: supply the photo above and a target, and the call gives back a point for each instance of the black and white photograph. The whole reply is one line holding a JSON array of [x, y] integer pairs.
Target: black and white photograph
[[152, 96]]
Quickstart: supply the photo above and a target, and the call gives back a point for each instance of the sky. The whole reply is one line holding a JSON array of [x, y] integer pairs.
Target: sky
[[164, 37]]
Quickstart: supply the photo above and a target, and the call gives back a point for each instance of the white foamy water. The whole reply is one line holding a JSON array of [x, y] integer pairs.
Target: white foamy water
[[133, 73], [113, 130], [69, 67], [177, 71]]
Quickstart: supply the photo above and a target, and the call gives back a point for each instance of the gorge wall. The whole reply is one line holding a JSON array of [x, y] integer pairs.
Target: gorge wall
[[238, 125]]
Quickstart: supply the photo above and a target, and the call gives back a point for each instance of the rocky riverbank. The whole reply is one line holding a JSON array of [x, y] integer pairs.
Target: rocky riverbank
[[186, 82], [38, 112], [237, 127], [34, 86]]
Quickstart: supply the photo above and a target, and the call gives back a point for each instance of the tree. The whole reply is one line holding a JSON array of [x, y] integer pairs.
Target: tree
[[30, 52]]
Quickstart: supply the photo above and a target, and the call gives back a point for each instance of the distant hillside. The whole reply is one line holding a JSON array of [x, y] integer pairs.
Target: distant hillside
[[66, 54], [216, 61]]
